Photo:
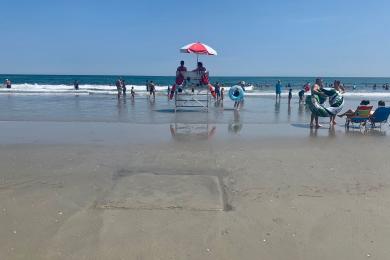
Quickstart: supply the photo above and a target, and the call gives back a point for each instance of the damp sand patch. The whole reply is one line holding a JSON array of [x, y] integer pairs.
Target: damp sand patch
[[161, 192]]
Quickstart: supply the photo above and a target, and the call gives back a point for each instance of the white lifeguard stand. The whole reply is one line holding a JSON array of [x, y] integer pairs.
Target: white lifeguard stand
[[184, 96], [192, 93]]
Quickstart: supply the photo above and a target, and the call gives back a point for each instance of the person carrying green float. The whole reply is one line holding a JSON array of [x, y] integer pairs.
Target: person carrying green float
[[316, 101]]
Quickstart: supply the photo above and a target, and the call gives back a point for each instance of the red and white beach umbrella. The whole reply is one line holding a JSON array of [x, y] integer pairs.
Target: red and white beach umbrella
[[198, 48]]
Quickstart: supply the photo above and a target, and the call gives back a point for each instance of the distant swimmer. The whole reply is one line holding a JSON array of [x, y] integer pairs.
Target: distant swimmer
[[76, 85], [7, 83]]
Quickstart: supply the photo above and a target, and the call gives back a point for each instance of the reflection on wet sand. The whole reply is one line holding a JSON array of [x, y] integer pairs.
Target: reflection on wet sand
[[191, 132], [122, 109], [235, 126], [361, 131], [277, 110]]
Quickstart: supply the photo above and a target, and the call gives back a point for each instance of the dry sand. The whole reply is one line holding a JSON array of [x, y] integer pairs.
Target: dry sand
[[259, 198]]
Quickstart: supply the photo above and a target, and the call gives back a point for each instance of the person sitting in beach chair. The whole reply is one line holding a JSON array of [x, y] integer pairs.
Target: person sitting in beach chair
[[359, 116], [380, 115], [351, 112]]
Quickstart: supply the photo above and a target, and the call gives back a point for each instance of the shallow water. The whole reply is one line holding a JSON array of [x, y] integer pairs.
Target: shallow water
[[98, 108], [38, 118]]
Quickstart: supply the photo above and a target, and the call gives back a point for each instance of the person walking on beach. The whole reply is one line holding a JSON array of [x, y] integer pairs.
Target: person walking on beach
[[76, 85], [278, 89], [222, 92], [289, 96]]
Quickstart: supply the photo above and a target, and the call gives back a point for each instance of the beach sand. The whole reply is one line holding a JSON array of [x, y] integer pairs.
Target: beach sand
[[246, 196]]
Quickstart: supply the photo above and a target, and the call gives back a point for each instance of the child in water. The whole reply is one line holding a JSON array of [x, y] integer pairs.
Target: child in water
[[132, 92], [289, 95]]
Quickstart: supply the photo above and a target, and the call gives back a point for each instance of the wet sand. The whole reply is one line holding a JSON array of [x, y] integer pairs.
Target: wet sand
[[81, 191]]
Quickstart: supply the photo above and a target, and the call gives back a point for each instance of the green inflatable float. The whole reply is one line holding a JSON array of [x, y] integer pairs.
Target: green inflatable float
[[316, 102]]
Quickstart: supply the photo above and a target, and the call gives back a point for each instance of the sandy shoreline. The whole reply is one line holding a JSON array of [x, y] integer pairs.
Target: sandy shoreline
[[283, 198]]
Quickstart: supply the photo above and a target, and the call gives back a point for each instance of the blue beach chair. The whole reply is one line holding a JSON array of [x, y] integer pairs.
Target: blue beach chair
[[380, 116]]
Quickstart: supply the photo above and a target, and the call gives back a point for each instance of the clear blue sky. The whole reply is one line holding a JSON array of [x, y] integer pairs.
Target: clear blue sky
[[259, 38]]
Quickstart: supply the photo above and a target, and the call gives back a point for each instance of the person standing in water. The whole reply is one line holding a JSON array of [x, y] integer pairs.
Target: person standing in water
[[289, 96], [301, 94], [217, 91], [76, 85], [118, 85], [278, 89], [147, 86], [123, 87], [132, 92], [152, 89], [7, 83], [336, 100], [316, 91]]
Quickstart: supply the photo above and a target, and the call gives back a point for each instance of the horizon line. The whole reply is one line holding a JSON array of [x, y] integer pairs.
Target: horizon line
[[236, 76]]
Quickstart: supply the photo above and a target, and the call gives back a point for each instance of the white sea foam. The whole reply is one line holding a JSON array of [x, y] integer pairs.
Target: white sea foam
[[69, 89], [89, 89]]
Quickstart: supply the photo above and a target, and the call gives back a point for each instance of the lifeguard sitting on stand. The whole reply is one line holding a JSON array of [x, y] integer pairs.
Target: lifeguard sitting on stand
[[198, 76]]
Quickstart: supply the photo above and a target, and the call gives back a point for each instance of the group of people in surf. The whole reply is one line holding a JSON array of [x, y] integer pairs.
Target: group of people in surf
[[121, 88]]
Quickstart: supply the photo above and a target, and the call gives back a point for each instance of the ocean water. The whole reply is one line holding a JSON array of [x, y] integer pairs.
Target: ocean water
[[105, 84], [50, 98]]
